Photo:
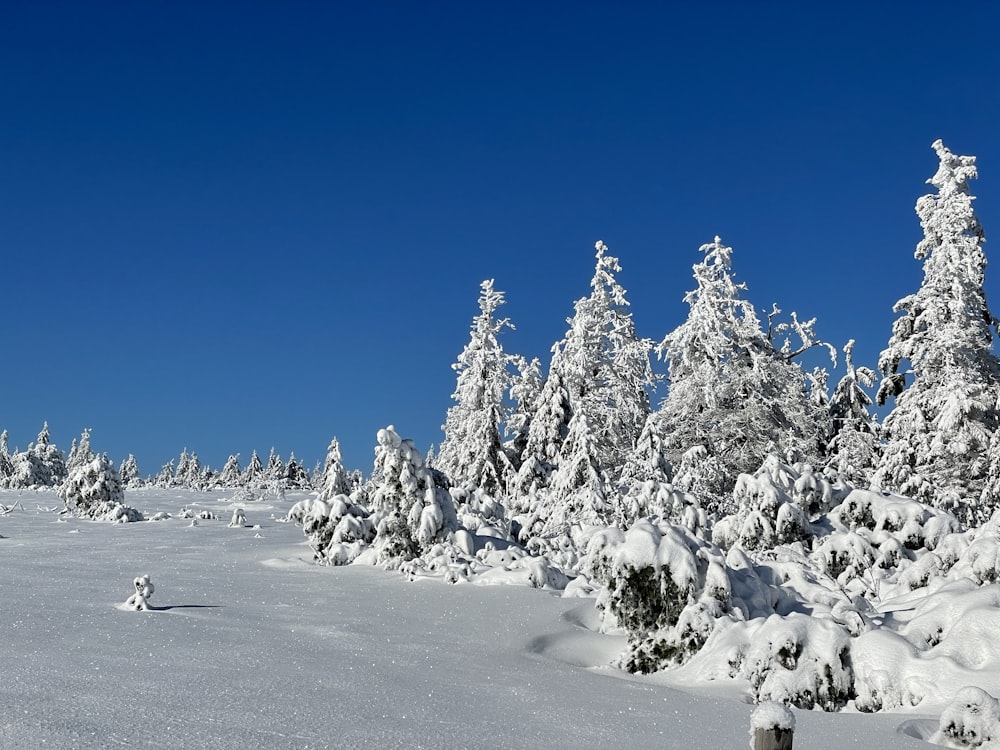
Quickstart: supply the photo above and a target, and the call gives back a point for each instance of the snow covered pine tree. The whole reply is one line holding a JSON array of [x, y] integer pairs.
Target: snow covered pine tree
[[942, 430]]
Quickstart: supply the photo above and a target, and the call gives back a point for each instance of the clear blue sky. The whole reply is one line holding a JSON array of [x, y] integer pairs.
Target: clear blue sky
[[231, 226]]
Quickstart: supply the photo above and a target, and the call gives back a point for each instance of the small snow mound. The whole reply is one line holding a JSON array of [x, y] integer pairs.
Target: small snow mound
[[972, 719]]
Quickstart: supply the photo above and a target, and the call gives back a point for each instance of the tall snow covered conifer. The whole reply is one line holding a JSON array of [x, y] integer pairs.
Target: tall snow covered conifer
[[472, 454], [732, 389], [605, 366], [939, 431]]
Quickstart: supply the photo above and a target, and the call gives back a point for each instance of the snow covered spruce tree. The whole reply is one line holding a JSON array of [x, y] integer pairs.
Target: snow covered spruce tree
[[95, 490], [41, 465], [335, 479], [597, 392], [732, 389], [80, 453], [411, 512], [129, 472], [939, 431], [472, 453]]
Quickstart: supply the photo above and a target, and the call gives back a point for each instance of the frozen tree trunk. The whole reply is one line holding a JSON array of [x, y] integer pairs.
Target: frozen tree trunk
[[773, 739]]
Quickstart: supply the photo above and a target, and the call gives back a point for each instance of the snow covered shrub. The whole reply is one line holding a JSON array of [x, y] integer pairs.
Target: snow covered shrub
[[702, 475], [972, 719], [95, 490], [239, 519], [914, 524], [802, 661], [664, 586], [139, 601], [476, 509], [338, 529], [775, 505]]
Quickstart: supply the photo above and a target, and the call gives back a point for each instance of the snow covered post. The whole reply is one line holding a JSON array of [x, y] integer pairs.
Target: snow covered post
[[139, 601], [771, 727]]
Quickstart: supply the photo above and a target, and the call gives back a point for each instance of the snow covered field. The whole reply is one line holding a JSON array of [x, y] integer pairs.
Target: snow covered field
[[250, 644]]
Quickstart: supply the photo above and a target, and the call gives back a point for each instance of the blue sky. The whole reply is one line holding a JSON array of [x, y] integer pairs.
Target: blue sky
[[232, 226]]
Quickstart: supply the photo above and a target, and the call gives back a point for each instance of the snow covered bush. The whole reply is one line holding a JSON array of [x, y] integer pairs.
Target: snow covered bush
[[139, 601], [972, 719], [775, 505], [800, 660], [95, 490], [338, 529], [663, 586]]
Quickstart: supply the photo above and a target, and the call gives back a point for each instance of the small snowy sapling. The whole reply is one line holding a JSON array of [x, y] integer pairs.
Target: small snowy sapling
[[139, 601]]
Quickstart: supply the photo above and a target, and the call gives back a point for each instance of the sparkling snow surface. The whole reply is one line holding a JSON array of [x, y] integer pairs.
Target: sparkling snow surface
[[250, 644]]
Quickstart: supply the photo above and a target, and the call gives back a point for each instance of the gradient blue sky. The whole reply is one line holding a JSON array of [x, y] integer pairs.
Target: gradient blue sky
[[232, 226]]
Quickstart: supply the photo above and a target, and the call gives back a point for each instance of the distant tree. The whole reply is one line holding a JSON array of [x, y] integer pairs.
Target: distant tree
[[939, 431], [275, 470], [95, 490], [165, 477], [129, 472], [255, 470], [296, 476], [6, 466], [189, 472], [472, 453], [231, 474], [733, 388], [80, 452], [41, 465], [335, 479]]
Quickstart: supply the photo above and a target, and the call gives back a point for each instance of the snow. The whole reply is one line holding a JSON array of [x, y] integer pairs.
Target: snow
[[251, 644], [772, 715]]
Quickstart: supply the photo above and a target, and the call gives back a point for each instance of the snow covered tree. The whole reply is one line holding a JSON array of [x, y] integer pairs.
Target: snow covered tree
[[546, 433], [165, 477], [335, 480], [605, 366], [733, 389], [939, 431], [129, 473], [580, 491], [296, 476], [472, 452], [853, 450], [189, 472], [231, 474], [254, 471], [80, 452], [599, 375], [41, 465], [275, 470], [412, 513], [525, 388], [95, 490], [6, 467]]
